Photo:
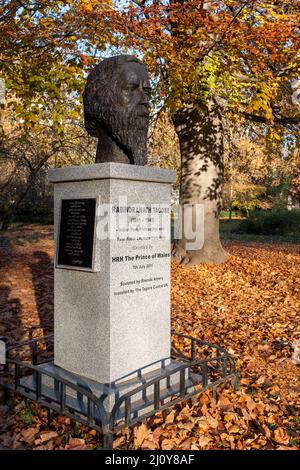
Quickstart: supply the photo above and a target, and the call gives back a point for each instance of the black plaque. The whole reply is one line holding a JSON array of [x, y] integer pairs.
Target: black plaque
[[76, 232]]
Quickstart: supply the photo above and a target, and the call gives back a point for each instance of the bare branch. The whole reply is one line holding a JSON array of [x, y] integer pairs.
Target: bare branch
[[283, 120]]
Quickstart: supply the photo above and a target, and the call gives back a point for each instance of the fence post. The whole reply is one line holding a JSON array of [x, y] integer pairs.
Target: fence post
[[4, 362]]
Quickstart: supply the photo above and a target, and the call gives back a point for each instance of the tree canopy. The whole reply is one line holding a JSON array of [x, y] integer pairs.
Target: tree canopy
[[43, 51], [244, 52]]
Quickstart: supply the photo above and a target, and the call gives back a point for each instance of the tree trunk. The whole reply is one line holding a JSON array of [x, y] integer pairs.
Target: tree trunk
[[12, 209], [200, 133], [6, 219], [230, 201]]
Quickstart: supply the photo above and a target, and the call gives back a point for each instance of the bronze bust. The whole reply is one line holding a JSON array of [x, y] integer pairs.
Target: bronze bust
[[116, 109]]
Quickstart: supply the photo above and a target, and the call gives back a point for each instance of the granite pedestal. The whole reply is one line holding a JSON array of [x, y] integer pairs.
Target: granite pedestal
[[111, 296]]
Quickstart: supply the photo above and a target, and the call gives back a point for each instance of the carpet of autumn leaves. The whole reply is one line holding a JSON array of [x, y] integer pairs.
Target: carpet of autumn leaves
[[249, 305]]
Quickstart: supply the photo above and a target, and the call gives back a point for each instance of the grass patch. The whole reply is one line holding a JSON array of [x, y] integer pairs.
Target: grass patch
[[275, 222], [236, 230], [27, 415]]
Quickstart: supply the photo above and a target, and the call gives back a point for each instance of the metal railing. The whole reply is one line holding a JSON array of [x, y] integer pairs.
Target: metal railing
[[93, 413], [209, 363]]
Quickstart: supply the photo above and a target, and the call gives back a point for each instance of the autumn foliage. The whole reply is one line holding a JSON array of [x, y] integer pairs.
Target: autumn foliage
[[245, 52], [250, 305], [243, 56]]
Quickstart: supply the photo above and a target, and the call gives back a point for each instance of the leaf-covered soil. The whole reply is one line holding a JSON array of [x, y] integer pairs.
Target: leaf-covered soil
[[249, 305]]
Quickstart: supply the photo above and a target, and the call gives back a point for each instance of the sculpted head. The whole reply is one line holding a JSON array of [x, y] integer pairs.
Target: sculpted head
[[116, 105]]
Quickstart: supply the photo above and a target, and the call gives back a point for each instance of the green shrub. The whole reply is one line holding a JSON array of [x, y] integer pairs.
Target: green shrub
[[225, 213], [274, 222]]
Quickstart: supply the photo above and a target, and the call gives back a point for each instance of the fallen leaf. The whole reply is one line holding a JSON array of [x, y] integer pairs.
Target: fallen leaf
[[28, 435], [76, 444], [233, 429], [45, 437], [156, 435], [48, 446], [203, 441], [281, 437], [148, 445], [6, 439], [224, 404], [170, 417], [168, 444], [75, 441], [213, 423], [141, 433], [287, 448], [119, 441], [185, 444], [202, 423]]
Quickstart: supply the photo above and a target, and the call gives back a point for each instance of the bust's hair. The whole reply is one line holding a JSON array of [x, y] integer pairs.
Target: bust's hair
[[101, 90]]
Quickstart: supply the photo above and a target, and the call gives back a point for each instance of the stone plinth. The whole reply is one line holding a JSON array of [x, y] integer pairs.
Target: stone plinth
[[112, 316]]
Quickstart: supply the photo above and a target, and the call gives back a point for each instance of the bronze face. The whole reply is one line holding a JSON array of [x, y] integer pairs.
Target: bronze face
[[134, 88]]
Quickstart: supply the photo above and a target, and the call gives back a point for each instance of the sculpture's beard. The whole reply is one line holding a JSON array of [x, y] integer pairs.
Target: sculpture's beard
[[129, 130]]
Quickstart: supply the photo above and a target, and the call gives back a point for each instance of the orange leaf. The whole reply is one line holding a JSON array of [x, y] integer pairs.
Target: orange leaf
[[203, 441], [141, 433], [281, 437]]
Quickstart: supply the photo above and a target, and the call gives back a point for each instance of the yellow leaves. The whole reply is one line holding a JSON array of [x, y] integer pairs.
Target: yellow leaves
[[262, 104], [87, 5], [233, 429], [228, 417], [274, 135]]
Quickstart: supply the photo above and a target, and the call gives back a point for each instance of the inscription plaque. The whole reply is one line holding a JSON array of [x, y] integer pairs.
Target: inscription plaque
[[76, 232]]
